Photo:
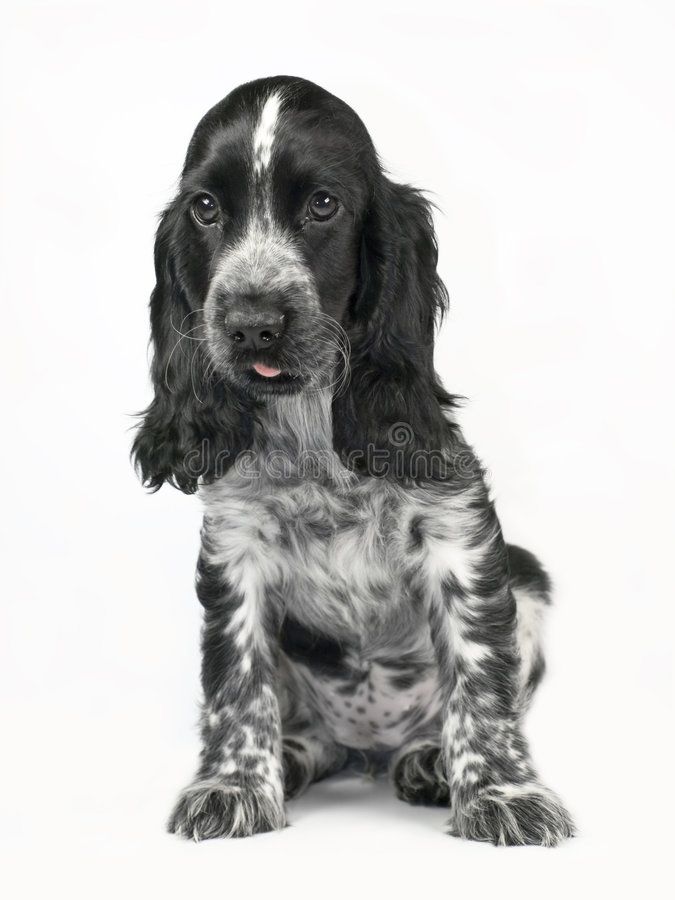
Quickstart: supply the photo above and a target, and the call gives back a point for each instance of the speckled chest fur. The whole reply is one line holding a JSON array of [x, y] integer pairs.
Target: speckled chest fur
[[338, 554]]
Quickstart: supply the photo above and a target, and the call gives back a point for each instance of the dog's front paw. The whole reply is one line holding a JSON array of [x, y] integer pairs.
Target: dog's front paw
[[212, 809], [513, 814]]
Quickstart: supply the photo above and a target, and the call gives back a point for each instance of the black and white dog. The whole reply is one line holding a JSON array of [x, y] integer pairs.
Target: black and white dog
[[357, 589]]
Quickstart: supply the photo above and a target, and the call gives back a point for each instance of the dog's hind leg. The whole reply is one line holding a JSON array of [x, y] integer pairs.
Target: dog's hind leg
[[309, 755], [309, 751], [416, 771]]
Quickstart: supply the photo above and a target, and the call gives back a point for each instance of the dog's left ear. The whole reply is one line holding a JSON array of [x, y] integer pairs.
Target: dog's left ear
[[394, 400]]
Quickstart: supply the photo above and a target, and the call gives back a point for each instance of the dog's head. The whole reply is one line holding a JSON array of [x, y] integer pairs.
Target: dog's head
[[287, 262]]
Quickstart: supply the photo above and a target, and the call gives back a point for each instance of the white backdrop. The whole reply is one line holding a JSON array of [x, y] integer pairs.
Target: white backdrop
[[546, 133]]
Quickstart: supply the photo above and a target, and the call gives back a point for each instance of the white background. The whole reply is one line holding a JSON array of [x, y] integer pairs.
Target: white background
[[546, 134]]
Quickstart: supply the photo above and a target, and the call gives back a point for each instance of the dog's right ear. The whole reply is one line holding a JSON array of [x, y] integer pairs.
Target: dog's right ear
[[195, 425]]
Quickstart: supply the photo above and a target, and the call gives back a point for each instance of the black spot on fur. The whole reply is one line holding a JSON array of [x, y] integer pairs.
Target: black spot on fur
[[404, 681], [526, 571], [416, 538], [320, 653]]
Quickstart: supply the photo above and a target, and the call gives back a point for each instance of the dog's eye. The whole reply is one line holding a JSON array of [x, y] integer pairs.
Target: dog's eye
[[322, 206], [205, 209]]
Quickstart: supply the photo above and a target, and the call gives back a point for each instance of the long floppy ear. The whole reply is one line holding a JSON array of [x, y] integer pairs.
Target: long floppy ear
[[394, 401], [194, 426]]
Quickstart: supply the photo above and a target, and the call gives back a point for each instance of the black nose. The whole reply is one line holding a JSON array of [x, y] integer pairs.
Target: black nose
[[255, 334]]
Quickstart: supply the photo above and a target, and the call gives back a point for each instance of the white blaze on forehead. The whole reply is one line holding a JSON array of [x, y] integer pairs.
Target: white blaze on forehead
[[264, 258], [263, 136]]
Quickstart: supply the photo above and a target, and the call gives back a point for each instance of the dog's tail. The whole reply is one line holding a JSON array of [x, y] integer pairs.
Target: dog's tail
[[531, 588]]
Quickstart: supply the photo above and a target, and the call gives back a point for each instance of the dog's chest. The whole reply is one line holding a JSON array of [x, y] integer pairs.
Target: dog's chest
[[340, 561], [336, 553]]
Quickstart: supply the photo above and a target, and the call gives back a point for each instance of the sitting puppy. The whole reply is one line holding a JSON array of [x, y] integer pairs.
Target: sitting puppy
[[357, 589]]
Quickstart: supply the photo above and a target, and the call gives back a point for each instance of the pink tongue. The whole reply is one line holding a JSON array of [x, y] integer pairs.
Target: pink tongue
[[266, 371]]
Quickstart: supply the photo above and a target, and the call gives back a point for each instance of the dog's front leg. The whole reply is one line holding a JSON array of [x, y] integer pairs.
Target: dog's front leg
[[495, 794], [238, 790]]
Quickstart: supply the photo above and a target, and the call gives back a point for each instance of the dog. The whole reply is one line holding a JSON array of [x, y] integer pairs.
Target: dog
[[358, 593]]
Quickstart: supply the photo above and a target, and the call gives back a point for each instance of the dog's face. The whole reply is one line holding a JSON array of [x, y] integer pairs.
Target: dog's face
[[287, 263], [272, 199]]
